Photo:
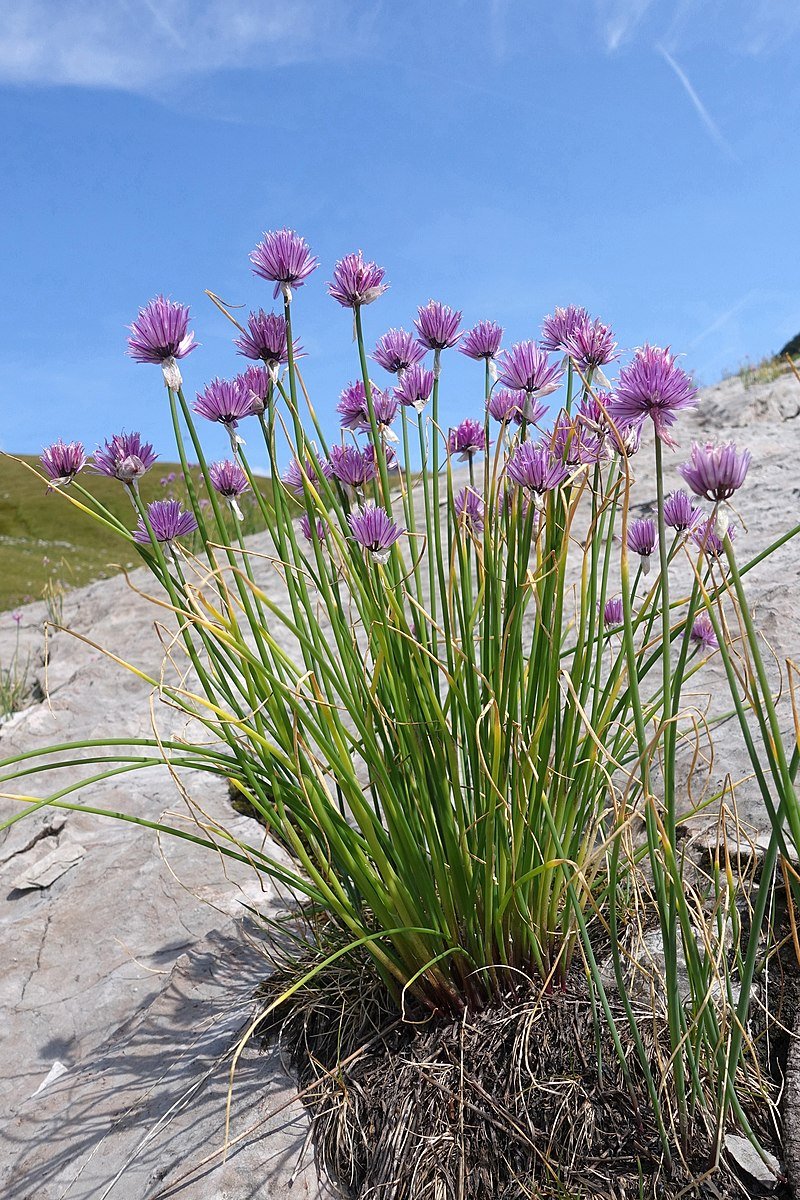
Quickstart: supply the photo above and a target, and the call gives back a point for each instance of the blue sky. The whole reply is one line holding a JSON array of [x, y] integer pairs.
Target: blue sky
[[505, 156]]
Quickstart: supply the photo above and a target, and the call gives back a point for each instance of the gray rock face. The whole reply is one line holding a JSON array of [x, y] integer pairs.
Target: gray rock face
[[130, 962]]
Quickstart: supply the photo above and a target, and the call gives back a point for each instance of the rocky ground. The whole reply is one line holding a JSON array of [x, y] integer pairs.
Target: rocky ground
[[130, 962]]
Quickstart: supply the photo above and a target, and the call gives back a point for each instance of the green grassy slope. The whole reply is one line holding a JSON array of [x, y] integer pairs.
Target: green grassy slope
[[44, 537]]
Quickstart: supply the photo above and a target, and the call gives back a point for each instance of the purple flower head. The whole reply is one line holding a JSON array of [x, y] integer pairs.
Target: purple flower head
[[125, 457], [679, 511], [62, 462], [256, 382], [613, 612], [415, 387], [160, 332], [526, 368], [356, 282], [703, 633], [715, 472], [505, 406], [374, 529], [224, 400], [228, 478], [591, 344], [305, 528], [437, 326], [266, 339], [293, 477], [16, 617], [625, 436], [351, 466], [283, 258], [469, 509], [533, 467], [168, 521], [397, 350], [467, 439], [353, 407], [653, 385], [705, 537], [560, 325], [482, 341], [642, 539]]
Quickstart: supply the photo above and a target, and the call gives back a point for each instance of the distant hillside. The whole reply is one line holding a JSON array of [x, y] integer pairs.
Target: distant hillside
[[792, 348], [46, 540]]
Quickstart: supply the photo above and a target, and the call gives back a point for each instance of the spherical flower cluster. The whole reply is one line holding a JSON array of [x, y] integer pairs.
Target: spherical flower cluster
[[505, 406], [437, 326], [590, 344], [482, 341], [125, 457], [227, 402], [467, 439], [256, 382], [641, 540], [715, 472], [266, 339], [160, 334], [708, 538], [558, 326], [703, 633], [534, 468], [305, 528], [230, 481], [374, 529], [62, 461], [680, 513], [356, 282], [573, 443], [415, 387], [469, 509], [398, 350], [167, 520], [353, 407], [351, 466], [527, 368], [283, 258], [653, 385], [613, 612]]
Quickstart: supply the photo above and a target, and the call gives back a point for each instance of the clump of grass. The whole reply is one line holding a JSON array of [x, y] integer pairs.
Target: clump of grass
[[464, 719], [14, 681]]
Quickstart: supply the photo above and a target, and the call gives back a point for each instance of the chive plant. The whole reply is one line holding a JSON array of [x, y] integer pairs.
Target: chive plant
[[464, 719]]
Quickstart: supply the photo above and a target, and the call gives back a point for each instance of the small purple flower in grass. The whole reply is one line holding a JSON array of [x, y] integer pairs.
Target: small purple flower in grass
[[505, 406], [415, 387], [482, 341], [125, 457], [62, 462], [527, 368], [560, 325], [168, 521], [591, 344], [374, 529], [305, 528], [469, 509], [16, 617], [293, 476], [715, 472], [703, 633], [437, 326], [707, 537], [534, 468], [680, 513], [266, 339], [283, 258], [230, 481], [160, 334], [351, 466], [256, 382], [642, 540], [226, 401], [356, 282], [653, 385], [613, 612], [397, 351], [467, 440]]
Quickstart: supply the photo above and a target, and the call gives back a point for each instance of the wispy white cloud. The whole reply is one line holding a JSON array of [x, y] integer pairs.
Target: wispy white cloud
[[722, 319], [620, 19], [139, 45], [705, 116]]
